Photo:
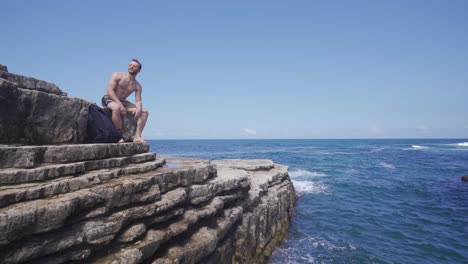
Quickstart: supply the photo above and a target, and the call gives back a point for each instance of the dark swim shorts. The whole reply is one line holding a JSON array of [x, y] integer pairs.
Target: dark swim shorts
[[106, 100]]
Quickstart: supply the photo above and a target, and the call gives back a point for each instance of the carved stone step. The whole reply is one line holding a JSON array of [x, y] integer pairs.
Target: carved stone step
[[11, 194], [32, 156]]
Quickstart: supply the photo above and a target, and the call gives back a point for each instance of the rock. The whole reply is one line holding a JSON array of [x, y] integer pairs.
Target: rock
[[37, 112], [248, 165], [31, 156], [196, 212], [464, 178], [63, 202], [31, 83], [36, 117], [3, 68]]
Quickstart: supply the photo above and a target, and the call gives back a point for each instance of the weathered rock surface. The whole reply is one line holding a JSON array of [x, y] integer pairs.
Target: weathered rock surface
[[3, 68], [119, 203], [29, 83], [37, 117], [36, 112]]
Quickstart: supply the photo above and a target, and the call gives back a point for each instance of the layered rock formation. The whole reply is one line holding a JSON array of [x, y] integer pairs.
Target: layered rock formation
[[36, 112], [120, 203]]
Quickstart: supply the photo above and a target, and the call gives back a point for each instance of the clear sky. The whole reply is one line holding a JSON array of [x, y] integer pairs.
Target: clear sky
[[258, 69]]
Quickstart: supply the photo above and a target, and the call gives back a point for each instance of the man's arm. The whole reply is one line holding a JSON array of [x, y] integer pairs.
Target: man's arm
[[138, 103], [112, 87]]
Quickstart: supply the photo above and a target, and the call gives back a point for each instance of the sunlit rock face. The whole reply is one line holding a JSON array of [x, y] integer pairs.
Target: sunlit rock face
[[119, 203], [65, 202], [37, 112]]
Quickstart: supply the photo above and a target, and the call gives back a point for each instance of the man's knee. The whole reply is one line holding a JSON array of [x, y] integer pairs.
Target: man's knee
[[114, 107], [145, 112]]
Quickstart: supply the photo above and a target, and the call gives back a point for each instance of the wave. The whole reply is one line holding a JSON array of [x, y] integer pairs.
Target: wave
[[305, 173], [375, 150], [321, 243], [309, 187], [290, 255], [387, 165], [463, 144], [418, 147]]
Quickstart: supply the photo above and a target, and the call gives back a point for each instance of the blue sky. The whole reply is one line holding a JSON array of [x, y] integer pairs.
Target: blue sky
[[258, 69]]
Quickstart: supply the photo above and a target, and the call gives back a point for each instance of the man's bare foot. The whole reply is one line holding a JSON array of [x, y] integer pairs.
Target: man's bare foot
[[121, 141], [138, 140]]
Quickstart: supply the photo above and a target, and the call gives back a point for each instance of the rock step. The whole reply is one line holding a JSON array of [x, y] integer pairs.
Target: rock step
[[223, 183], [32, 156], [26, 218], [261, 179], [149, 216], [12, 194], [135, 225], [154, 239], [95, 216], [94, 228], [97, 226], [203, 242], [51, 171]]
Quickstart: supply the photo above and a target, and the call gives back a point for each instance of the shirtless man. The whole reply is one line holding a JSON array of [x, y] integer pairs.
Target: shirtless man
[[120, 86]]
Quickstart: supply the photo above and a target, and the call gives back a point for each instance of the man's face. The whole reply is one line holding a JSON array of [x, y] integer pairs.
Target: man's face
[[133, 67]]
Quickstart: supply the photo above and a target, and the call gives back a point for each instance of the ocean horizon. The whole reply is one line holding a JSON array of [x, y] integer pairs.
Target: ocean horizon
[[361, 200], [418, 138]]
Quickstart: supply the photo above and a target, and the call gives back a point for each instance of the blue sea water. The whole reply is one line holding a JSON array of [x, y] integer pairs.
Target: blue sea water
[[362, 201]]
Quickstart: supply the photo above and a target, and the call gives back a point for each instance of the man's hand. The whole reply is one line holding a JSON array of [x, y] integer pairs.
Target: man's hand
[[137, 113]]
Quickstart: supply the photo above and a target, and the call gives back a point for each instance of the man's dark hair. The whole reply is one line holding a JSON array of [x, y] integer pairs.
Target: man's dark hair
[[139, 63]]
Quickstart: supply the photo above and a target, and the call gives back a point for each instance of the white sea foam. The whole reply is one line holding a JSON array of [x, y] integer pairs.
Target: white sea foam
[[298, 254], [376, 150], [387, 165], [418, 147], [291, 256], [321, 243], [309, 187], [463, 144], [305, 174]]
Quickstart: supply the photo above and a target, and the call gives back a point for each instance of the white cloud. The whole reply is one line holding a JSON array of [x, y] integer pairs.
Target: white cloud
[[250, 131], [424, 129]]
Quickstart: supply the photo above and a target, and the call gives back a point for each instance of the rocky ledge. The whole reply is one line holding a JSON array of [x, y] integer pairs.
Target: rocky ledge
[[119, 203], [36, 112]]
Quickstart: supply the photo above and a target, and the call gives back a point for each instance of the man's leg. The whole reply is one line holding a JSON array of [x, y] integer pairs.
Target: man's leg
[[116, 118], [141, 122]]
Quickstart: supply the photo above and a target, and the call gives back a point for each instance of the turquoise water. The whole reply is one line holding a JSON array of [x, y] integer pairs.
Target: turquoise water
[[362, 201]]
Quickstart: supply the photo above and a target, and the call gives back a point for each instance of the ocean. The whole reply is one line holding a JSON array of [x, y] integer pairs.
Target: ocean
[[362, 201]]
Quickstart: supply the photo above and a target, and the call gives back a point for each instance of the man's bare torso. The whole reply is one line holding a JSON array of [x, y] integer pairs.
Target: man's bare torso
[[125, 85]]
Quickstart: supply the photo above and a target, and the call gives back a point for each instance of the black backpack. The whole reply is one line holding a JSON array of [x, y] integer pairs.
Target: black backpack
[[100, 127]]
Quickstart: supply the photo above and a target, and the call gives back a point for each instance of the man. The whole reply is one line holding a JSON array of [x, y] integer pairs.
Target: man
[[120, 86]]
